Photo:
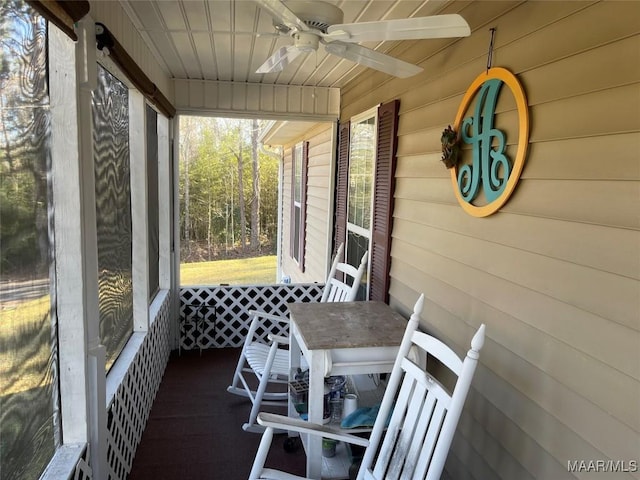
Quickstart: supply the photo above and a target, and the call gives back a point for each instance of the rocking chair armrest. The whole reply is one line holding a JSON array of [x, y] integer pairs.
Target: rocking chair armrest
[[301, 426], [278, 339], [269, 316]]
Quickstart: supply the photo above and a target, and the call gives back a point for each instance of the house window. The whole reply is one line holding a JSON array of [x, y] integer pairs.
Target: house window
[[364, 193], [299, 202], [362, 148], [110, 108], [29, 422]]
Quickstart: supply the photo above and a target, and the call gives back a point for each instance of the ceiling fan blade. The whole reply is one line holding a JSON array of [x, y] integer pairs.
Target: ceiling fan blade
[[279, 60], [372, 59], [437, 26], [281, 12]]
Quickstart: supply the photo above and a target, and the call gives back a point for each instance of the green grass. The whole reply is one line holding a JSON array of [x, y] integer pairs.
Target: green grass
[[242, 271], [25, 344]]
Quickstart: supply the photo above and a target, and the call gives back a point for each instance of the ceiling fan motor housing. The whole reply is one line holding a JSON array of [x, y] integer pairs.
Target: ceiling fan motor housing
[[316, 15], [306, 42]]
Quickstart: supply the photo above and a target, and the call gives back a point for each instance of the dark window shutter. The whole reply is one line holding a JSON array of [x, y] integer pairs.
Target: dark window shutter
[[383, 200], [342, 183]]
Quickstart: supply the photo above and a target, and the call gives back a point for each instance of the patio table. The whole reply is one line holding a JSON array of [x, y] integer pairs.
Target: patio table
[[342, 338]]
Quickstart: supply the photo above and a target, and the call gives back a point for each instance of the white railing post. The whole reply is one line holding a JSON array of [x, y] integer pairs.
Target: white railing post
[[96, 355]]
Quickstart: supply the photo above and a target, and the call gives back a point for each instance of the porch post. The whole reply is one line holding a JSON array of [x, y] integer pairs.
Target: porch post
[[72, 307], [165, 197], [96, 362], [175, 232], [139, 209]]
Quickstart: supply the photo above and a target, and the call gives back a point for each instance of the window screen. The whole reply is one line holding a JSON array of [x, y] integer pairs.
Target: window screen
[[113, 212], [28, 386], [152, 195]]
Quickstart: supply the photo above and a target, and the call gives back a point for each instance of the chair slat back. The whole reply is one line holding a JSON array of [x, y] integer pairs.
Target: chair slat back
[[414, 426], [343, 280], [424, 413], [336, 291]]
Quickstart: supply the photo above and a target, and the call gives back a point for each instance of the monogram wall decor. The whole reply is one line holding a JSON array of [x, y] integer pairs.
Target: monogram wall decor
[[484, 183]]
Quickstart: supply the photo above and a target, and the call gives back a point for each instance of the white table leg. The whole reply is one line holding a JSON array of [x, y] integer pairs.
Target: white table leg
[[316, 361], [294, 364]]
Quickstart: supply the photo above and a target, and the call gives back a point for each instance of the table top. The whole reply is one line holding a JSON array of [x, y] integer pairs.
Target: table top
[[336, 325]]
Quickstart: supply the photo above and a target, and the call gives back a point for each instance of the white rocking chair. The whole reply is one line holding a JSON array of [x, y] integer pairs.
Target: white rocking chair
[[424, 415], [269, 362]]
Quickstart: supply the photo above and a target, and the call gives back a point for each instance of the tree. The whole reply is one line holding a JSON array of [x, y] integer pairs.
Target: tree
[[269, 183], [221, 185], [187, 133], [255, 200], [24, 153], [241, 204]]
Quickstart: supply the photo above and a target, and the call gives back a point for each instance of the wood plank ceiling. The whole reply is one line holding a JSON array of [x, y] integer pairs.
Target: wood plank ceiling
[[227, 40]]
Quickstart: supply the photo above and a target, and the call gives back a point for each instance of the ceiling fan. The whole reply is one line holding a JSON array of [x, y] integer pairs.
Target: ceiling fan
[[311, 23]]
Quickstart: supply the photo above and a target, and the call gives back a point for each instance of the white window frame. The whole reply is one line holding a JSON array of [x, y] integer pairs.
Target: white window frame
[[298, 153], [351, 227]]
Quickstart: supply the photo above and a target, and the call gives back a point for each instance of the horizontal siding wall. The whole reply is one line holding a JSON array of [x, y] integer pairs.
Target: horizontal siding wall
[[319, 206], [555, 274]]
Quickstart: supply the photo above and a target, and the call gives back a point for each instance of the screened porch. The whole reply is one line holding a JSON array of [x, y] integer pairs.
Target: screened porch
[[93, 311]]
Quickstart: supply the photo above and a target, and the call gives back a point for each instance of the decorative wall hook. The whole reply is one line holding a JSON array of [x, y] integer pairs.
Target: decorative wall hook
[[490, 54]]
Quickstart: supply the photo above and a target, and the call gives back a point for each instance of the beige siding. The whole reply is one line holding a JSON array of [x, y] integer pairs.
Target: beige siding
[[319, 205], [555, 274]]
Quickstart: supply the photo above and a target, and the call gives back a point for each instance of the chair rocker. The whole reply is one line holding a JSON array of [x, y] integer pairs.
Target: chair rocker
[[269, 362], [415, 442]]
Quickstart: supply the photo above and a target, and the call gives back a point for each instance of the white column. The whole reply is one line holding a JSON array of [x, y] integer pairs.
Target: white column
[[74, 304], [281, 184], [175, 251], [139, 209], [165, 197], [81, 356], [95, 382]]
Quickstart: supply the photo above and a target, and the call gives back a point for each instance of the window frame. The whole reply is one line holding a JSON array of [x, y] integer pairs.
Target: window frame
[[383, 195], [351, 227], [299, 152]]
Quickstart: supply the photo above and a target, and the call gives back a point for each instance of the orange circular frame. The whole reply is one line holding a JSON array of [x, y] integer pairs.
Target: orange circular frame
[[523, 138]]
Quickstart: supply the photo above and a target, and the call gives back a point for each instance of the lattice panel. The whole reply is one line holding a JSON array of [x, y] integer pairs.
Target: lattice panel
[[215, 317], [83, 470], [129, 411]]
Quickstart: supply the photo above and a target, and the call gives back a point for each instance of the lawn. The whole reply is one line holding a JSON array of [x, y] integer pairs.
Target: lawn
[[242, 271]]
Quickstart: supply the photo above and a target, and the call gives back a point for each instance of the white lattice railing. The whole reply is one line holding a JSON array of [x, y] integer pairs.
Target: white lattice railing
[[129, 411], [83, 470], [218, 316]]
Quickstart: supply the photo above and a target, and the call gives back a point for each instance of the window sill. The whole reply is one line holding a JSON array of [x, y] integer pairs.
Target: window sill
[[156, 305], [64, 462], [122, 365], [127, 356]]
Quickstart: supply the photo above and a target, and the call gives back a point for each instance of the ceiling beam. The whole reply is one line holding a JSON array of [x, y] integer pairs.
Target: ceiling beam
[[250, 100]]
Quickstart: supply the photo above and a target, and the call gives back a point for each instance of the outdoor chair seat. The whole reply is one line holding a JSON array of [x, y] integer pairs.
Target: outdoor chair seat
[[257, 355]]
